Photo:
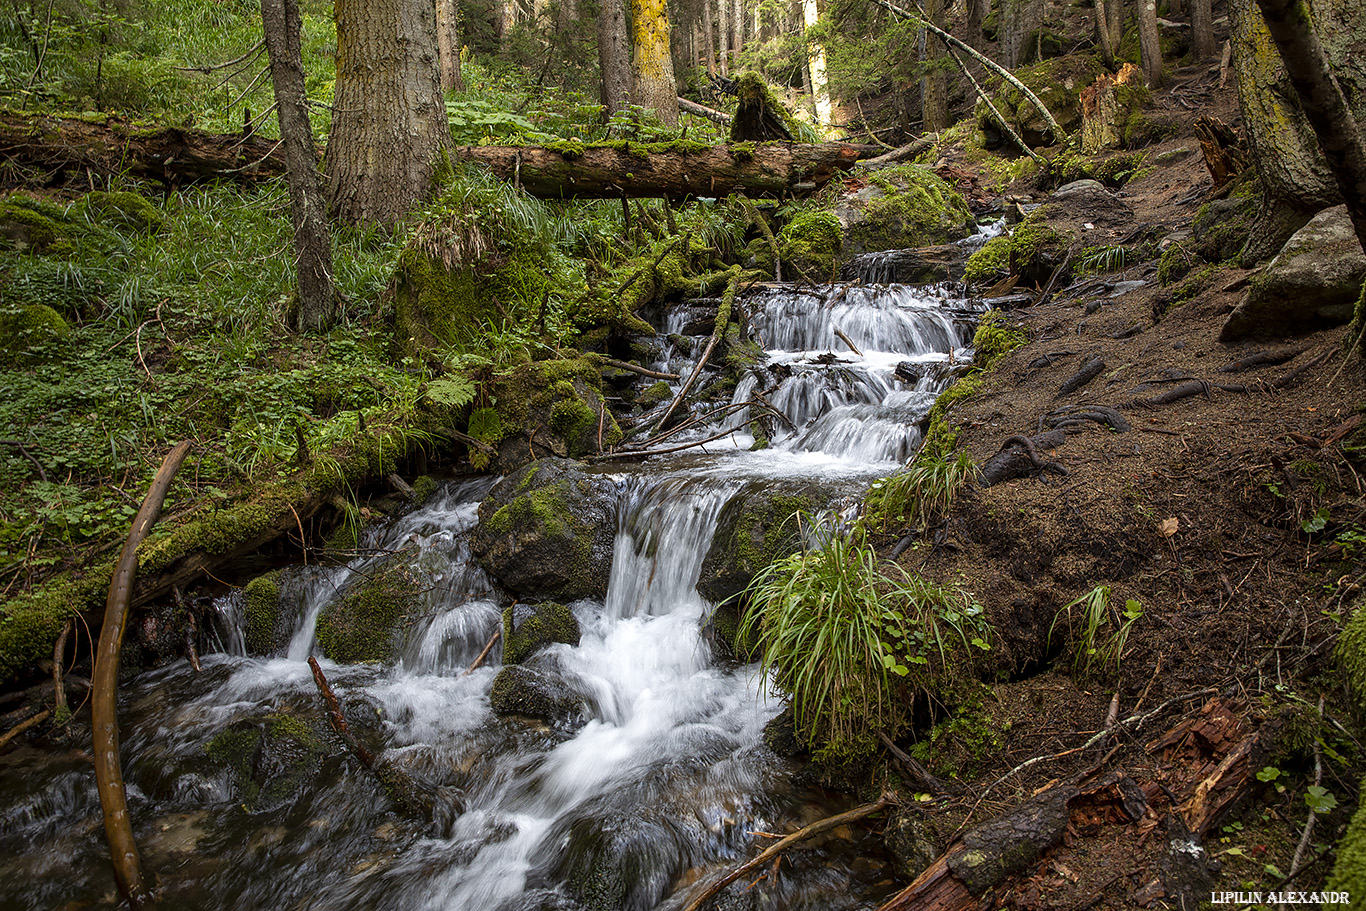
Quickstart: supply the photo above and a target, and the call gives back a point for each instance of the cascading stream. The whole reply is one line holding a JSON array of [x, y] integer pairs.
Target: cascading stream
[[662, 778]]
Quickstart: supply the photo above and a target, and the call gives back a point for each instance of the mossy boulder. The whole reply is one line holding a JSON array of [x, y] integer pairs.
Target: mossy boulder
[[722, 630], [24, 230], [31, 334], [530, 693], [122, 209], [367, 621], [759, 525], [436, 305], [528, 628], [989, 264], [1351, 655], [268, 761], [550, 408], [1349, 872], [1220, 228], [1314, 282], [811, 241], [656, 394], [625, 859], [901, 207], [1036, 250], [264, 619], [546, 532], [1057, 83]]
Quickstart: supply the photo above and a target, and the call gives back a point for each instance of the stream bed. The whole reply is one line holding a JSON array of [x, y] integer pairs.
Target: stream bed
[[240, 800]]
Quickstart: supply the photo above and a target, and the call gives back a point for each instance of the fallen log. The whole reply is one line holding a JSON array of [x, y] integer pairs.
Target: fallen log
[[172, 155]]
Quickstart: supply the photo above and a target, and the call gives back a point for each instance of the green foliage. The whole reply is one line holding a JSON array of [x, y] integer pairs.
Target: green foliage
[[990, 263], [919, 495], [852, 644], [1097, 635]]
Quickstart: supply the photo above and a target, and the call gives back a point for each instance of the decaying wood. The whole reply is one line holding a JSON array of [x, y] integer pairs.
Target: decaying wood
[[118, 828], [1224, 156], [920, 776], [1100, 126], [816, 828], [58, 659], [909, 150], [403, 487], [844, 338], [699, 110]]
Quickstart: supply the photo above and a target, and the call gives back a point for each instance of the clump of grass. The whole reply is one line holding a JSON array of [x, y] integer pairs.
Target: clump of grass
[[854, 643], [1096, 632], [919, 494]]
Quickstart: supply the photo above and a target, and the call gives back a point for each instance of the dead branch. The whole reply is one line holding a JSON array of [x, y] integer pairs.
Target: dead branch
[[844, 338], [58, 659], [816, 828], [719, 330], [700, 110], [118, 828], [24, 726], [636, 368], [919, 774], [482, 655]]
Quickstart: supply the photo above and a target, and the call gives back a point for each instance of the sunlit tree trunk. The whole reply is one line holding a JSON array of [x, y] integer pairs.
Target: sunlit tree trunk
[[389, 119], [1020, 19], [820, 86], [448, 44], [652, 66], [1149, 46], [312, 238], [614, 55]]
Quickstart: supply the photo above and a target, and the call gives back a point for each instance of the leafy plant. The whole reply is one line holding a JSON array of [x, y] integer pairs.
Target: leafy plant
[[1098, 636], [920, 494], [852, 643]]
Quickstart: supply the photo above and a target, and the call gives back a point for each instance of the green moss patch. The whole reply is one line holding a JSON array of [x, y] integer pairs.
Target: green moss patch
[[31, 334], [364, 623], [529, 628], [990, 264], [811, 241], [907, 206]]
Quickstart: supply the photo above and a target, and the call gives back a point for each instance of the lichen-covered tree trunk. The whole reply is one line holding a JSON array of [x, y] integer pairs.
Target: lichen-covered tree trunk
[[1149, 45], [614, 55], [389, 119], [934, 97], [312, 239], [652, 66], [815, 56], [448, 44], [1296, 182]]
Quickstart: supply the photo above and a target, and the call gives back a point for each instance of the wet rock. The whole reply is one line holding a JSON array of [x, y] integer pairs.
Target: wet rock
[[780, 735], [922, 265], [269, 761], [758, 526], [911, 841], [1009, 844], [1313, 282], [554, 407], [267, 628], [530, 693], [546, 532], [721, 630], [623, 860], [366, 623], [528, 628]]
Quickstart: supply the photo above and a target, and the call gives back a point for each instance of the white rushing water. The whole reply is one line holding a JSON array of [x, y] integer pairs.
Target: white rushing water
[[661, 771]]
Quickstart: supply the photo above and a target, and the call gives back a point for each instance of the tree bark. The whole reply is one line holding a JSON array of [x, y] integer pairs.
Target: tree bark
[[1296, 181], [1202, 30], [1321, 97], [614, 56], [708, 38], [934, 112], [652, 66], [1109, 29], [1149, 46], [977, 11], [1019, 20], [448, 45], [815, 56], [389, 119], [723, 9], [312, 238]]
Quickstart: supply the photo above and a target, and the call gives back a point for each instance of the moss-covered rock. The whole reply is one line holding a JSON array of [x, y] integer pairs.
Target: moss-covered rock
[[1221, 227], [269, 761], [551, 407], [1351, 655], [759, 525], [1036, 249], [528, 628], [901, 207], [263, 614], [530, 693], [811, 242], [623, 859], [656, 394], [31, 334], [1057, 83], [546, 532], [1349, 872], [722, 630], [990, 264], [366, 622], [120, 209]]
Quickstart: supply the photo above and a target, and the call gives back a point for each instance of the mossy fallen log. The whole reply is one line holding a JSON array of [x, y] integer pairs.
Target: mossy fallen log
[[201, 544]]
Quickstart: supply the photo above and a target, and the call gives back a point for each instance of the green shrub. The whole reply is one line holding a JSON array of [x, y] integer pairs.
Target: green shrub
[[853, 644], [920, 493]]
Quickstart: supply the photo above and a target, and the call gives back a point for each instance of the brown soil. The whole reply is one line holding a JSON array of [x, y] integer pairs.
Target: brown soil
[[1236, 595]]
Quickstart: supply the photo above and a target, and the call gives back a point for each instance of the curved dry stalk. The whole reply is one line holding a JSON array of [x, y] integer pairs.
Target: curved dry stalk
[[118, 829]]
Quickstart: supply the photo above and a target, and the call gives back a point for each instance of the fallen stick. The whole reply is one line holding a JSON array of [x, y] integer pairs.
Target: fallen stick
[[722, 318], [484, 654], [700, 110], [58, 659], [118, 828], [919, 773], [844, 338], [24, 726], [636, 368], [816, 828]]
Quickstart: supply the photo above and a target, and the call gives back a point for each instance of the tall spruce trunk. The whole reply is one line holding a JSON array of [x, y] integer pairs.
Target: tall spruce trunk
[[448, 44], [723, 11], [1109, 29], [1202, 30], [389, 119], [312, 238], [1295, 179], [652, 66], [1020, 20], [1149, 44], [708, 38], [614, 55], [934, 95]]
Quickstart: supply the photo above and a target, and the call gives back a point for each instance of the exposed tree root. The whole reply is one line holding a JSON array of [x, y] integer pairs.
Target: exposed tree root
[[1081, 414], [1090, 368], [1262, 359], [1019, 458]]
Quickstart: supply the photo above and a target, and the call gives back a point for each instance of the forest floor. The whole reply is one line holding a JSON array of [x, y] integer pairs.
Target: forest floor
[[1233, 518]]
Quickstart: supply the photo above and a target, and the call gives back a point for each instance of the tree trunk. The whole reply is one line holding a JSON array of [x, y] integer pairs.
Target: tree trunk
[[1020, 19], [312, 239], [614, 56], [934, 96], [708, 37], [977, 10], [448, 44], [652, 66], [1322, 100], [389, 119], [1149, 46], [723, 8], [815, 56], [1109, 29], [1295, 178], [1202, 30]]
